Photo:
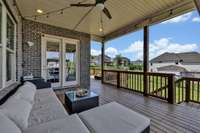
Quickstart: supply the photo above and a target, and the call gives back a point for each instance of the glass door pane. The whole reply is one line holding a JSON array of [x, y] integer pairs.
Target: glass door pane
[[70, 63], [53, 61]]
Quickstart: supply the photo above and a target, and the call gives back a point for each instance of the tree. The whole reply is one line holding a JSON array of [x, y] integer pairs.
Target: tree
[[118, 60]]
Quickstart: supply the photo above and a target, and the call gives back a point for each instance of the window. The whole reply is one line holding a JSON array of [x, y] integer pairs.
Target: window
[[9, 56], [10, 50], [10, 33], [7, 47]]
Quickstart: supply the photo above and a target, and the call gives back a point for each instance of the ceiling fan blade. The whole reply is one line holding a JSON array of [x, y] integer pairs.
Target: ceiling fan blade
[[107, 13], [82, 5], [104, 1]]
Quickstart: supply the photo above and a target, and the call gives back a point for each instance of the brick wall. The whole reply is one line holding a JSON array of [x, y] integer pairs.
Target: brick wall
[[32, 55]]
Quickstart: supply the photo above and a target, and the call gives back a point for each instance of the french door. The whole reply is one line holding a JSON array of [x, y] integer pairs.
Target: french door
[[60, 61]]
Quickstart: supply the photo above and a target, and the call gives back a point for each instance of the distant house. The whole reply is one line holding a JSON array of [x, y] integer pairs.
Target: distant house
[[124, 61], [96, 60], [184, 64], [137, 62], [53, 63]]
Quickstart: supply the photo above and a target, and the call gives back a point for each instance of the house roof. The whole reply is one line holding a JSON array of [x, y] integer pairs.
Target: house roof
[[137, 62], [123, 58], [189, 57], [127, 15], [172, 68]]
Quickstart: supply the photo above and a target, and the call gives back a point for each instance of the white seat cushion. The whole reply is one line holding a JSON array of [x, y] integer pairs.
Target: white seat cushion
[[70, 124], [18, 111], [46, 108], [27, 92], [7, 126], [114, 118]]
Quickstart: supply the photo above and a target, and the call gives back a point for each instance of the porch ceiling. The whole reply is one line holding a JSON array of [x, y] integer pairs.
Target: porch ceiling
[[126, 14]]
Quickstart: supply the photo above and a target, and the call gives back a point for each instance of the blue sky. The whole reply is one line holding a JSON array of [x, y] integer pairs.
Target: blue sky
[[180, 34]]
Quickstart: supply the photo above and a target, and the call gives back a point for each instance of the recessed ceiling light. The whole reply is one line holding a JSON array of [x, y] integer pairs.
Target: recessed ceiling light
[[39, 11]]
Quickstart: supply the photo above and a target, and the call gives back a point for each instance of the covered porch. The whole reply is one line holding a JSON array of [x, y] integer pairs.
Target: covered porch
[[50, 40]]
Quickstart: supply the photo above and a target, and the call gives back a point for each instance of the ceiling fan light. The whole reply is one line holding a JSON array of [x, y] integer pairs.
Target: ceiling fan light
[[100, 6], [100, 29], [40, 11]]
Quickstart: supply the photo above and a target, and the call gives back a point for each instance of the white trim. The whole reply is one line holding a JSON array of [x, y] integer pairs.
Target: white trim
[[71, 40], [5, 14], [44, 61], [13, 51], [77, 82], [63, 41]]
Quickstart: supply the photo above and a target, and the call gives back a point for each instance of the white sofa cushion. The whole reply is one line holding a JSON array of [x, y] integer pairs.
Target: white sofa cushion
[[18, 111], [114, 118], [31, 85], [46, 108], [7, 126], [27, 92], [71, 124]]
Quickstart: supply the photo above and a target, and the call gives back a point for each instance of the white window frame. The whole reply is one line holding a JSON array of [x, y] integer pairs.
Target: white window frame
[[5, 14]]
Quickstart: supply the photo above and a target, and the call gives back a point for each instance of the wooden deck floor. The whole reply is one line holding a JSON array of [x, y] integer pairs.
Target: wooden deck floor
[[165, 118]]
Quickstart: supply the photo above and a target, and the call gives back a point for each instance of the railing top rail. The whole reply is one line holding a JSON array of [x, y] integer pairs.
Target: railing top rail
[[191, 78], [135, 72]]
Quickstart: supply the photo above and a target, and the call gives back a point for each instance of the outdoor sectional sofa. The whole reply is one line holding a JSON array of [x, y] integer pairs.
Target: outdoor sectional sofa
[[27, 110]]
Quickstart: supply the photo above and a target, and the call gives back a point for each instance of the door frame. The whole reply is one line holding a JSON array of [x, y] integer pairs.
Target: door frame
[[63, 41], [77, 44], [44, 59]]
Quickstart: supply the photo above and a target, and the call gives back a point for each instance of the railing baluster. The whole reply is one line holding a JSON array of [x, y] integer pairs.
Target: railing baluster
[[157, 87], [149, 85], [141, 82], [179, 89], [192, 90], [198, 92], [153, 84], [182, 90], [161, 86]]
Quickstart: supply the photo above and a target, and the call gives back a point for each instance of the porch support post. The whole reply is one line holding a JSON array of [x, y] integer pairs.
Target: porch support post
[[146, 59], [197, 4], [102, 61]]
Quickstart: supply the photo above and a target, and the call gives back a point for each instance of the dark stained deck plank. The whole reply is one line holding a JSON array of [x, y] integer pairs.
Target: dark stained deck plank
[[165, 118]]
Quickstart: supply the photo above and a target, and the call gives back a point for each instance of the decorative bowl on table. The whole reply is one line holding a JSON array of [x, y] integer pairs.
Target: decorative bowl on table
[[81, 92]]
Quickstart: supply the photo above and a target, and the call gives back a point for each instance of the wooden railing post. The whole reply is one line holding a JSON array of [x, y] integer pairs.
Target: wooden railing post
[[146, 59], [187, 90], [118, 79], [171, 89]]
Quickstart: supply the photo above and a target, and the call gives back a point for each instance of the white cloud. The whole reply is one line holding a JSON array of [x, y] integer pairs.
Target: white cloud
[[179, 19], [166, 45], [158, 47], [196, 19], [136, 49], [95, 52], [111, 52]]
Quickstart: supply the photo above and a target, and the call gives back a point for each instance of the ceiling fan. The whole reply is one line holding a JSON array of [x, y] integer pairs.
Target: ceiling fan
[[99, 4]]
